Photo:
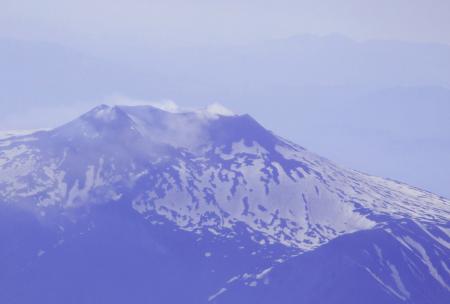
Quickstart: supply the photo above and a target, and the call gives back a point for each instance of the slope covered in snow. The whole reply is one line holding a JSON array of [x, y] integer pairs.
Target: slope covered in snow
[[214, 174]]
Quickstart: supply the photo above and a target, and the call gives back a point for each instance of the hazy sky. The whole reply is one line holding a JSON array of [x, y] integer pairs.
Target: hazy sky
[[99, 24]]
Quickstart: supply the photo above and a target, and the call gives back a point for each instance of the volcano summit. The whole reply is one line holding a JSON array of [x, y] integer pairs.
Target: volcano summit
[[140, 205]]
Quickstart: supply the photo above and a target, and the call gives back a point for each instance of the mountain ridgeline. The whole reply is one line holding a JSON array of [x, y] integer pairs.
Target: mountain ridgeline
[[141, 205]]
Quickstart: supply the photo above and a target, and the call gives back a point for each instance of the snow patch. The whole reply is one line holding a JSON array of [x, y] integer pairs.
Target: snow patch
[[427, 261], [221, 291]]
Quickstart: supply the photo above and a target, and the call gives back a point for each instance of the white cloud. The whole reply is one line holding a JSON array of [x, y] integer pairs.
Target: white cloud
[[218, 109], [165, 105], [211, 111]]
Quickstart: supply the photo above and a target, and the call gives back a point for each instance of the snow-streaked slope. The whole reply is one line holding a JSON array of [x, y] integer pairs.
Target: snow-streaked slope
[[223, 177], [203, 171], [381, 265]]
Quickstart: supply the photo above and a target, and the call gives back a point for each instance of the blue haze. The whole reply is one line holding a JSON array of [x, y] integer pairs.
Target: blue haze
[[139, 205]]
